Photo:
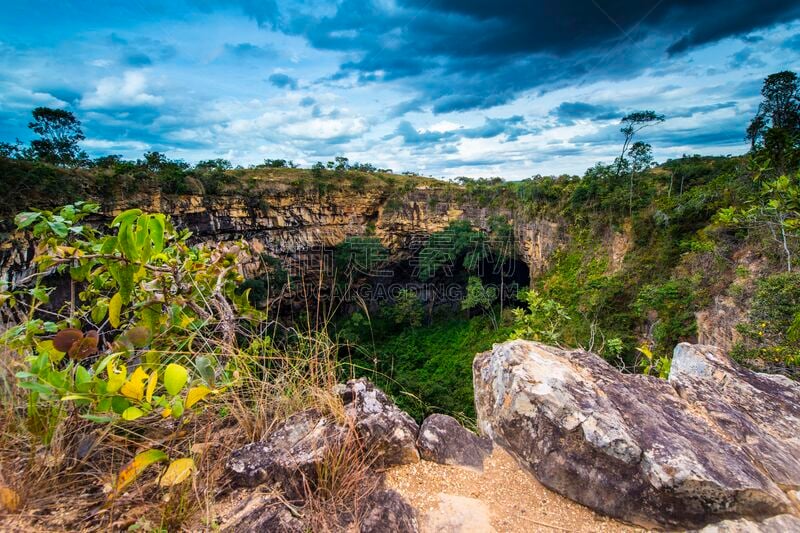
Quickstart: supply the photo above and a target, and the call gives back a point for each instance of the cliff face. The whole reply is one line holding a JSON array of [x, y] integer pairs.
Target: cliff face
[[290, 225]]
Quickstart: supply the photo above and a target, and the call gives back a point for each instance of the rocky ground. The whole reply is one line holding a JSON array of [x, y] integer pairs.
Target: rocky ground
[[502, 498]]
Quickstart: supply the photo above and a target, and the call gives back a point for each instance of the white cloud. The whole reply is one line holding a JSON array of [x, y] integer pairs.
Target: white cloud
[[326, 128], [128, 91]]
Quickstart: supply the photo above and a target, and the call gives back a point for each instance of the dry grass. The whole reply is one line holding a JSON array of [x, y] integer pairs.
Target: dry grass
[[65, 484]]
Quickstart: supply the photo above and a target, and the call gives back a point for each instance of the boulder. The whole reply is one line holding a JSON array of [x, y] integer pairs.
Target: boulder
[[632, 446], [388, 433], [262, 513], [443, 440], [759, 411], [777, 524], [387, 510], [290, 456]]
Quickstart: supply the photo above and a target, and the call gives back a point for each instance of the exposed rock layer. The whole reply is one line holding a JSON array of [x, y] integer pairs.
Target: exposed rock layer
[[631, 446]]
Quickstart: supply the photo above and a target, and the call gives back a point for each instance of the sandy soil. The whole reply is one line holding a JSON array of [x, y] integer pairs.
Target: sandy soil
[[513, 500]]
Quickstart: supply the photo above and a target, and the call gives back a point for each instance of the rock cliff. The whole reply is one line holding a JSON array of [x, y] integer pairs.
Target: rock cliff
[[713, 442], [296, 225]]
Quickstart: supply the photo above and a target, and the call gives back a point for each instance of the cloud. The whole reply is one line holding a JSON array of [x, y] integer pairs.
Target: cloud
[[512, 128], [568, 113], [130, 90], [248, 51], [512, 46], [283, 81]]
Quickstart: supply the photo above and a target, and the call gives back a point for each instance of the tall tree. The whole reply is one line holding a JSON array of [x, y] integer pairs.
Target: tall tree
[[632, 124], [776, 126], [60, 132]]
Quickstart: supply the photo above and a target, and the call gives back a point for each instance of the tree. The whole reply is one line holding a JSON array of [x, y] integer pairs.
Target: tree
[[632, 124], [481, 297], [776, 126], [60, 132], [407, 309], [777, 211], [641, 157]]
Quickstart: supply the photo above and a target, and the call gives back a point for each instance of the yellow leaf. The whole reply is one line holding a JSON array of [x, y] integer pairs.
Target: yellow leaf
[[9, 499], [114, 309], [151, 386], [196, 394], [132, 470], [166, 412], [132, 413], [116, 376], [177, 472], [175, 377], [134, 387]]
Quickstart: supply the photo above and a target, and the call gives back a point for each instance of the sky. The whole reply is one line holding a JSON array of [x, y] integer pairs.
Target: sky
[[446, 88]]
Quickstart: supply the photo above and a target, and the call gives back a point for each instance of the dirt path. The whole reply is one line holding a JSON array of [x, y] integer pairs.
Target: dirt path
[[503, 498]]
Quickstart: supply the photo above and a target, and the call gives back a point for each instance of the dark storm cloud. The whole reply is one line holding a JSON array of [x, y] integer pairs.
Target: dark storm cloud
[[478, 54], [283, 81], [567, 113]]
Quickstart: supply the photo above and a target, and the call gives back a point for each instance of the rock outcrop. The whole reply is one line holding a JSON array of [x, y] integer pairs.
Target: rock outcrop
[[388, 433], [291, 456], [683, 453], [443, 440]]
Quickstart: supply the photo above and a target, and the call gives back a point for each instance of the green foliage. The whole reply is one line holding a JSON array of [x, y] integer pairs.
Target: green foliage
[[542, 320], [458, 245], [769, 336], [669, 307], [140, 287], [406, 309], [651, 364], [429, 369], [59, 134], [480, 297]]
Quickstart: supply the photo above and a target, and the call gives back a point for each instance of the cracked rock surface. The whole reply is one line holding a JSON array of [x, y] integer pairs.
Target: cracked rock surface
[[443, 440], [706, 446]]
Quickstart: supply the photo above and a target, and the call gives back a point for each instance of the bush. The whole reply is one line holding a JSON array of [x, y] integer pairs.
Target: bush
[[771, 334]]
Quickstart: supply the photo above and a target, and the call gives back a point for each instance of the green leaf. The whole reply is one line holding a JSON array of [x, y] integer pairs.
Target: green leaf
[[40, 293], [175, 377], [83, 380], [126, 217], [142, 230], [157, 232], [23, 220], [177, 407], [98, 419], [205, 369], [114, 309], [126, 243], [99, 311], [59, 228], [35, 386]]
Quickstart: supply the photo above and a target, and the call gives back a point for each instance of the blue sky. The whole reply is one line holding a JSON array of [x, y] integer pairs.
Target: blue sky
[[443, 87]]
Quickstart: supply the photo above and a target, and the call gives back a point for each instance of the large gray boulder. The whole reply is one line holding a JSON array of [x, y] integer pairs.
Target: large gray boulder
[[631, 446], [443, 440], [291, 456], [389, 434]]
